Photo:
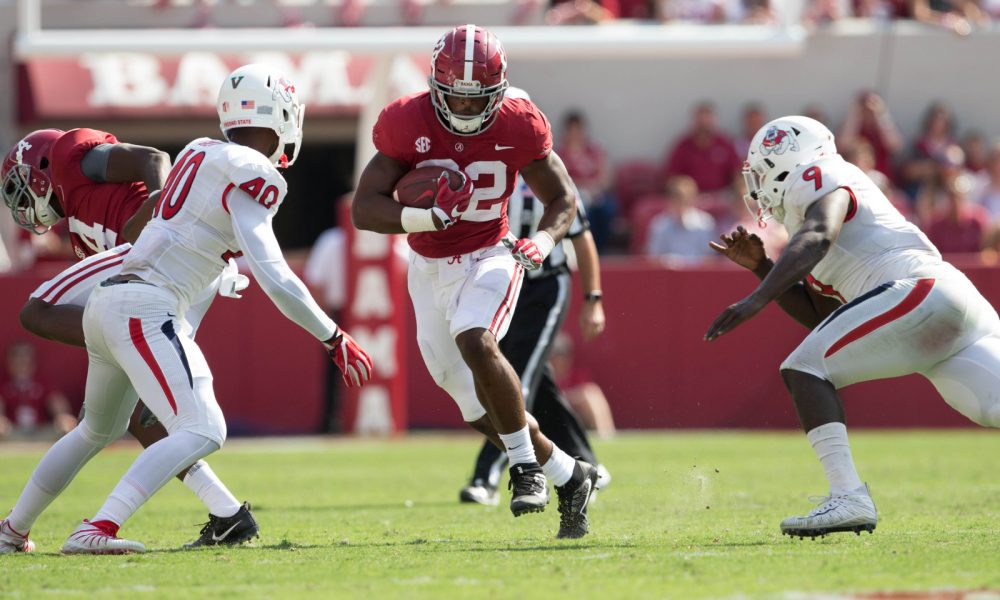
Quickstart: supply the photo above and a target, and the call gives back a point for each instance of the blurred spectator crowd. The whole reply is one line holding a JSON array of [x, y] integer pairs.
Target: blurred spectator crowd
[[946, 180], [960, 16]]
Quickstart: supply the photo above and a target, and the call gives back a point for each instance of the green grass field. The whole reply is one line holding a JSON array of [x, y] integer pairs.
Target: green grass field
[[688, 515]]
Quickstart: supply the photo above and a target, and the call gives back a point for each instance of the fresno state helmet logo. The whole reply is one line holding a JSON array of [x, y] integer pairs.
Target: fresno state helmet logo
[[778, 141]]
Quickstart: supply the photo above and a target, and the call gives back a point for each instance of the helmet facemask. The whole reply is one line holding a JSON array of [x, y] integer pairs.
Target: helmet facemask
[[764, 197], [466, 124], [30, 210]]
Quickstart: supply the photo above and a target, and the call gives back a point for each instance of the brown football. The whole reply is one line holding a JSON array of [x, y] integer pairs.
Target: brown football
[[418, 188]]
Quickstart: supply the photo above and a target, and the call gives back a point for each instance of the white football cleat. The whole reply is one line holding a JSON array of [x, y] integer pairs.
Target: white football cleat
[[836, 512], [12, 541], [89, 538]]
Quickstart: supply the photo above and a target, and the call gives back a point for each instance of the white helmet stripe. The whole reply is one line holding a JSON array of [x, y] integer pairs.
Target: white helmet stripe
[[470, 47]]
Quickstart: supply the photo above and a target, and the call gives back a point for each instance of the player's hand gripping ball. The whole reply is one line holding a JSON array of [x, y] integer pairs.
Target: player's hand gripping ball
[[427, 187]]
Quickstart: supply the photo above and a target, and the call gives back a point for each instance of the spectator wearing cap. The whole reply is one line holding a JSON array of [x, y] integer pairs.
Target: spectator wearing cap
[[705, 154]]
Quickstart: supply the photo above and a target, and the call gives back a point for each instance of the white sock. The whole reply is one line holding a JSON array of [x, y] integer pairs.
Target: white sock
[[54, 472], [519, 448], [831, 446], [154, 467], [203, 481], [559, 468]]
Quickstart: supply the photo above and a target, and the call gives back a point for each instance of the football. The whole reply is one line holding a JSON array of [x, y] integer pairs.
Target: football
[[418, 188]]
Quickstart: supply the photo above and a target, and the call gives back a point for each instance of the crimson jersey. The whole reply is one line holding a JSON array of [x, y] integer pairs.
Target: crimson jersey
[[408, 130], [95, 212]]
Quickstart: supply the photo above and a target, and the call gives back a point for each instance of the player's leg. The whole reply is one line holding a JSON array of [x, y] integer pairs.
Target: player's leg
[[969, 381], [55, 311], [897, 328], [174, 383], [480, 316], [105, 419]]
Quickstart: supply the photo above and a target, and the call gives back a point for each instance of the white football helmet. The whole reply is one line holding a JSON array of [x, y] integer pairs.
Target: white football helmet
[[775, 152], [256, 95]]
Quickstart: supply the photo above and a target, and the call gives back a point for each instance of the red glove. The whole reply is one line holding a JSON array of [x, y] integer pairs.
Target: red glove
[[350, 358], [530, 253], [453, 202]]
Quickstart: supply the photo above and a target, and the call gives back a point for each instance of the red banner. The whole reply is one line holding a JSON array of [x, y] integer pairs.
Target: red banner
[[138, 85], [376, 318]]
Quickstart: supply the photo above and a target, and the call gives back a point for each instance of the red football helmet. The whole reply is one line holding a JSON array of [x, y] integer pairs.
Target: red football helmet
[[26, 181], [469, 62]]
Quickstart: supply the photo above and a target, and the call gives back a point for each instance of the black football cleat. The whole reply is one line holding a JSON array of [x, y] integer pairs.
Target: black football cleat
[[573, 500], [531, 490], [228, 531]]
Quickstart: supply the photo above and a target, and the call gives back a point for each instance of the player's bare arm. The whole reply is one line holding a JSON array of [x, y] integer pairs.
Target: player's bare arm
[[823, 220], [799, 301], [592, 311], [553, 187], [59, 323], [130, 162], [548, 178], [374, 208]]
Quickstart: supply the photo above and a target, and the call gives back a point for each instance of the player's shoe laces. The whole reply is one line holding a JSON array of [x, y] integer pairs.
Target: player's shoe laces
[[573, 500], [12, 541], [99, 537], [479, 492], [531, 490], [836, 512], [228, 531]]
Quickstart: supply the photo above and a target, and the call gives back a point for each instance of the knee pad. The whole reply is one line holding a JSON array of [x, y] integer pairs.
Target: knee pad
[[457, 381]]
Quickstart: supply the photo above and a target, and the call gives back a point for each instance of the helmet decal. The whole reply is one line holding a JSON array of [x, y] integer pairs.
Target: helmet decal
[[778, 141], [21, 147]]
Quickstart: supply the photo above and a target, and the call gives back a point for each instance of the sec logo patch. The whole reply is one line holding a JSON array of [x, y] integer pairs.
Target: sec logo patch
[[423, 144]]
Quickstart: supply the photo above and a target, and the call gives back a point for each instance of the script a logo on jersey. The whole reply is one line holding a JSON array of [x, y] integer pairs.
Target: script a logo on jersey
[[778, 141]]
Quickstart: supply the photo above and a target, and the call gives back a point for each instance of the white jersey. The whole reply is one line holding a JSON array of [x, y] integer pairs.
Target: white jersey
[[876, 244], [218, 203], [190, 238]]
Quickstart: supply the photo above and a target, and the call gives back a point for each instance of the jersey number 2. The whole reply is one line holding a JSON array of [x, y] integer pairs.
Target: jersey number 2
[[487, 201], [178, 185]]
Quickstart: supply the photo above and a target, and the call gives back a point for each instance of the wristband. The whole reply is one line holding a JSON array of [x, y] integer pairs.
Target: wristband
[[593, 296], [544, 242], [415, 220]]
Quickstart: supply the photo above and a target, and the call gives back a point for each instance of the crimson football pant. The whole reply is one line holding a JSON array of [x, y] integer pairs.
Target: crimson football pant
[[541, 311]]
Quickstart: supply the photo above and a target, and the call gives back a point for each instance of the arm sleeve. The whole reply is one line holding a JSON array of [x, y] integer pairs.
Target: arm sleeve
[[95, 162], [252, 226], [67, 154]]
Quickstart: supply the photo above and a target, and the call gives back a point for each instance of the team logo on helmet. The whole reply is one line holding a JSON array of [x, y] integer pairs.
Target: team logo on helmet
[[21, 147], [283, 89], [778, 141]]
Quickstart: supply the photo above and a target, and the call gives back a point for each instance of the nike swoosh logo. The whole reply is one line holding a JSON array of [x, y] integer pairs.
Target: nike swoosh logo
[[219, 538], [499, 147], [455, 213]]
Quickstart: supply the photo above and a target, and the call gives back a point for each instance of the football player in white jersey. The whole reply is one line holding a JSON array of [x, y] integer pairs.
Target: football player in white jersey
[[878, 297], [217, 203]]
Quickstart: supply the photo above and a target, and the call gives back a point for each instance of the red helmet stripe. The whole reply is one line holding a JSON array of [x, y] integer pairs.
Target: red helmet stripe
[[470, 49]]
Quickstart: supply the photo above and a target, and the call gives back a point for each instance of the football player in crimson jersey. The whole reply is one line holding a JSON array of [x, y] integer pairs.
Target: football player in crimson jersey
[[101, 186], [218, 202], [878, 297], [466, 269]]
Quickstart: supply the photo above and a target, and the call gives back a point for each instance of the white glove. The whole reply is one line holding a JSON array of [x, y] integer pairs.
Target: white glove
[[231, 282]]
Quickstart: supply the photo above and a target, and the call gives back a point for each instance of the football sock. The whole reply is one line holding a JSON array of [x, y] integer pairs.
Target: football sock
[[157, 465], [831, 446], [54, 472], [203, 481], [559, 468], [519, 448]]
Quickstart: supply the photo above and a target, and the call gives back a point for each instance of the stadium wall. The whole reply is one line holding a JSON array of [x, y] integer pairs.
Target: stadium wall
[[652, 363]]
